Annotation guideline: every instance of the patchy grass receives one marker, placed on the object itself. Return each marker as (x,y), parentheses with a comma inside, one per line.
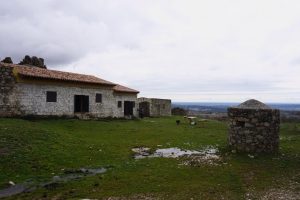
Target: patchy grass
(38,150)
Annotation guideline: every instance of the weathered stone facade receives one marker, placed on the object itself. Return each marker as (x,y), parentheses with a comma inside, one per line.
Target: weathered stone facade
(152,107)
(119,111)
(32,98)
(253,127)
(9,105)
(20,97)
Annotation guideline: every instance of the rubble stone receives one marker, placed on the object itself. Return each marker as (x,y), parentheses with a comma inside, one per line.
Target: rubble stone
(253,127)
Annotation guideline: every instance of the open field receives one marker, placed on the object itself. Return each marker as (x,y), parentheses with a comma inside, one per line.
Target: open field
(38,150)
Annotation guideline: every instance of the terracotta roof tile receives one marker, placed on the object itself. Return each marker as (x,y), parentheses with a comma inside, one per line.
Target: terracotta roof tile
(7,64)
(121,88)
(36,72)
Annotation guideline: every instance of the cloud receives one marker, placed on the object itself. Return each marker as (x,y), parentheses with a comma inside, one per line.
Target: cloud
(184,50)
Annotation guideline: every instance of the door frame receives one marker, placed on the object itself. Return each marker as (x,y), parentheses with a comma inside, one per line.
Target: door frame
(128,108)
(81,104)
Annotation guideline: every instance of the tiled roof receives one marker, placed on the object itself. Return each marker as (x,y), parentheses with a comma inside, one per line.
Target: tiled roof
(40,73)
(35,72)
(121,88)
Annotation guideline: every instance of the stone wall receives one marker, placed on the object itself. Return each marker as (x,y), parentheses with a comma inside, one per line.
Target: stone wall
(254,130)
(158,107)
(125,97)
(9,106)
(31,100)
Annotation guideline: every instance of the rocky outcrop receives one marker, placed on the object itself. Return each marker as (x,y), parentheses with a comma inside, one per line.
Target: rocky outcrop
(33,61)
(7,60)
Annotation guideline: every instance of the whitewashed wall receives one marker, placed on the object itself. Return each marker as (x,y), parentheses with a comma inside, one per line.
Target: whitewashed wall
(125,97)
(32,100)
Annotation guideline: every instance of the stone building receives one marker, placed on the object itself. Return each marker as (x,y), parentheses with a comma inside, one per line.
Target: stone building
(28,90)
(151,107)
(254,127)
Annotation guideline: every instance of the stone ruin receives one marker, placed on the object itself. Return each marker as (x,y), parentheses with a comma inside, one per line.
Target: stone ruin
(253,127)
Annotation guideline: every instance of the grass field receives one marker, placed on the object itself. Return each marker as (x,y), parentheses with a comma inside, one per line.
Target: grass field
(38,150)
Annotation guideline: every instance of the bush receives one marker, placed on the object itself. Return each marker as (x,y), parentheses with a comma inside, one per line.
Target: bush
(178,111)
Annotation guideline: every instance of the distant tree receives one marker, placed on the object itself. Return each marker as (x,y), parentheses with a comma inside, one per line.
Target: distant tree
(7,60)
(33,61)
(178,111)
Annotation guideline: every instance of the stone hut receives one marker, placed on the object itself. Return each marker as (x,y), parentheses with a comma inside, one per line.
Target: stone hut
(253,127)
(153,107)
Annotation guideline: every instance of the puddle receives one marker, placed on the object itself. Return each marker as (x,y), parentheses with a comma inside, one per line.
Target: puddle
(208,153)
(144,152)
(85,171)
(173,152)
(13,190)
(72,174)
(141,152)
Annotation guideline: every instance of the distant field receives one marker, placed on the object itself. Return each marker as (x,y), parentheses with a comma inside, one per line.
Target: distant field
(38,150)
(222,107)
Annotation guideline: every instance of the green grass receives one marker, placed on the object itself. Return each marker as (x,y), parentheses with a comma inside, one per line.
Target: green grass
(40,149)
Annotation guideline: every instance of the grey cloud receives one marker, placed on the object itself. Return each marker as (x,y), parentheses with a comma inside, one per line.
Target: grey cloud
(168,47)
(295,62)
(65,31)
(200,86)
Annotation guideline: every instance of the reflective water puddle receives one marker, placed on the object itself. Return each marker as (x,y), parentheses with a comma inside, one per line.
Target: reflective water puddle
(144,152)
(68,175)
(208,155)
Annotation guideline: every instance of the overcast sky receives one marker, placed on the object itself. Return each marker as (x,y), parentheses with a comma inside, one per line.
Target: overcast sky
(186,50)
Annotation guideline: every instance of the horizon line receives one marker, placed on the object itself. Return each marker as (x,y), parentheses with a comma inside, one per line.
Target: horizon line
(228,102)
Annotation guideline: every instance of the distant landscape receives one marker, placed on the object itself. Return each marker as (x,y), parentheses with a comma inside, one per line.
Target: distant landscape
(289,111)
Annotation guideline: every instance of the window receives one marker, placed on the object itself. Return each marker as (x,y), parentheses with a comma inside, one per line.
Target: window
(51,96)
(163,106)
(98,98)
(133,104)
(119,104)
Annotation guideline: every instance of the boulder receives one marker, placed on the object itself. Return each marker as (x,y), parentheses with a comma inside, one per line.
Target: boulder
(7,60)
(33,61)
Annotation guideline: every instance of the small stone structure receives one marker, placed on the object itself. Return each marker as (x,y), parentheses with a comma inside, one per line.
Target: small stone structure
(253,127)
(153,107)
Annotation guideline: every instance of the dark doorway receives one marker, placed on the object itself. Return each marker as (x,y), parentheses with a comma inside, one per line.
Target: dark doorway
(81,103)
(128,108)
(144,109)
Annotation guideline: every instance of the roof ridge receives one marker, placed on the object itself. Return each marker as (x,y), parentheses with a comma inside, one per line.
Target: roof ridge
(122,88)
(54,70)
(37,72)
(28,71)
